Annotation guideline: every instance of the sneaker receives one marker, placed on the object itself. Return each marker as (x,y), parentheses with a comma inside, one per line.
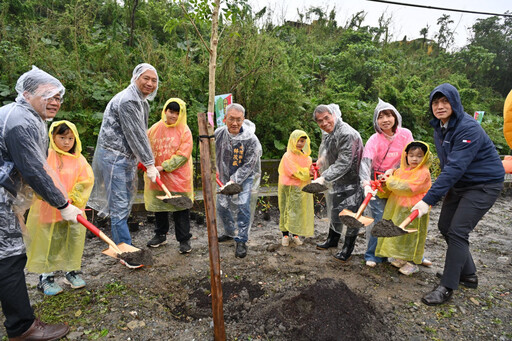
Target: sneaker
(48,286)
(241,250)
(185,247)
(285,241)
(297,240)
(74,279)
(157,240)
(409,269)
(397,263)
(371,263)
(224,238)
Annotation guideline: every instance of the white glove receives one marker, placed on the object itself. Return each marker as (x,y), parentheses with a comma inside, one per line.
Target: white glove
(152,173)
(422,208)
(368,189)
(320,180)
(70,212)
(226,184)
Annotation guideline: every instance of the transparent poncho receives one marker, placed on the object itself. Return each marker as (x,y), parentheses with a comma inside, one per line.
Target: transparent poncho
(407,187)
(172,147)
(295,206)
(238,157)
(52,243)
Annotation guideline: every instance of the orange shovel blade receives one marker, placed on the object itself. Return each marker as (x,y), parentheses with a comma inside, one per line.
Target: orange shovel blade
(362,219)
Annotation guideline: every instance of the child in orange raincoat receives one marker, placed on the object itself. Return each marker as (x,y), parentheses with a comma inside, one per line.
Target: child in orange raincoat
(52,243)
(408,185)
(296,207)
(171,142)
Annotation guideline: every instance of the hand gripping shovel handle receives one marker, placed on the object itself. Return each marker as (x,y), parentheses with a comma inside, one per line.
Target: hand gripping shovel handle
(375,185)
(158,181)
(96,231)
(409,219)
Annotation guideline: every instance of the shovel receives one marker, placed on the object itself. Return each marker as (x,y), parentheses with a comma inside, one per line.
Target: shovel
(128,255)
(357,220)
(314,187)
(230,189)
(175,200)
(386,228)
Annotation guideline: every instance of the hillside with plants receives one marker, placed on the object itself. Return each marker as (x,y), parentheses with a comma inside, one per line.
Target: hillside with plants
(278,72)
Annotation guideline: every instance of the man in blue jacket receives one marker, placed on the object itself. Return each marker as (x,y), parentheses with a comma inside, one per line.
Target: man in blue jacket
(471,179)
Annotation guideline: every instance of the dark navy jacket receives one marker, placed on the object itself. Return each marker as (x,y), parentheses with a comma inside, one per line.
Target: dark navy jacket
(467,155)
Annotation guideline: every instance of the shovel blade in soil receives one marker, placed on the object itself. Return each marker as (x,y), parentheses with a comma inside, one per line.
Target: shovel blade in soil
(125,248)
(386,228)
(177,200)
(314,188)
(348,218)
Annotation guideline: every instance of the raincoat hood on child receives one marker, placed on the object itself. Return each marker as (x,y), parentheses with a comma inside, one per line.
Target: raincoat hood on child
(172,147)
(78,143)
(294,166)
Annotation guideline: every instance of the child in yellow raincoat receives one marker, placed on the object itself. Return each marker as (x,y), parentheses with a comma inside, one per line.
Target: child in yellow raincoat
(408,185)
(52,243)
(171,142)
(296,207)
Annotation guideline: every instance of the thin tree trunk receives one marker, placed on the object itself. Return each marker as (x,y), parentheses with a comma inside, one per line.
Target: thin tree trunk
(132,21)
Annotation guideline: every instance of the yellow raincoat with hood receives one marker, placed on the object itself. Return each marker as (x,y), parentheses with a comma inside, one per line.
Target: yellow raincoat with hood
(52,243)
(296,207)
(407,187)
(172,147)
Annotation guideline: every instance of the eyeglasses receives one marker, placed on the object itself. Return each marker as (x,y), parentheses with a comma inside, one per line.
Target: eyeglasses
(58,100)
(235,120)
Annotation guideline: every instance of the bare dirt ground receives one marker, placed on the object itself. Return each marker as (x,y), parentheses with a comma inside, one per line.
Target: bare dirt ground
(285,293)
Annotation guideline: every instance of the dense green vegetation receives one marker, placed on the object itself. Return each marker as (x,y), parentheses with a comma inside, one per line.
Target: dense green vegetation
(279,73)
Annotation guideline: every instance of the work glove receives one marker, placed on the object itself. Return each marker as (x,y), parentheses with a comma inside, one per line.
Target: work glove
(368,189)
(70,212)
(320,180)
(152,173)
(226,184)
(422,208)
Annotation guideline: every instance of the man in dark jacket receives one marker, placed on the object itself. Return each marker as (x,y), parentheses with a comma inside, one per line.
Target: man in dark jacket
(471,179)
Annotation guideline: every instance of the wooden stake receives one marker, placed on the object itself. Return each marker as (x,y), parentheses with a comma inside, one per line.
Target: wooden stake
(211,224)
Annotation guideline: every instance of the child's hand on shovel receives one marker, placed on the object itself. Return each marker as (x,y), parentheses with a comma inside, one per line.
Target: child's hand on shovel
(422,208)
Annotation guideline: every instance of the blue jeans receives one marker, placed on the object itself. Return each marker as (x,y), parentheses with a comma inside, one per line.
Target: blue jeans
(119,174)
(377,206)
(239,206)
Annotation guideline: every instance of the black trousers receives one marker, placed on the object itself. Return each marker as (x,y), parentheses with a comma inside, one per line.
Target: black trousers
(462,210)
(181,224)
(19,315)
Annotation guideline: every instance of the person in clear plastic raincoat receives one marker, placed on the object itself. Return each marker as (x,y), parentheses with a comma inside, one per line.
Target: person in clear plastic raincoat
(23,148)
(122,143)
(238,153)
(171,143)
(407,185)
(339,158)
(53,243)
(295,206)
(381,154)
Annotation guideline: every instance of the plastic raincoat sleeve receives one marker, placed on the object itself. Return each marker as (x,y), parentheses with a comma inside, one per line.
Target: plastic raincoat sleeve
(26,155)
(251,159)
(345,160)
(409,187)
(82,189)
(365,169)
(134,129)
(175,162)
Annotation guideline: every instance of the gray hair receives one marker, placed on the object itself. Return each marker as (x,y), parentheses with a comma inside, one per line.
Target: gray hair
(332,109)
(235,106)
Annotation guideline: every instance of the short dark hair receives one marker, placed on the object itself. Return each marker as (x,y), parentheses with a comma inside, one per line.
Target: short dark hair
(438,95)
(416,145)
(62,129)
(173,106)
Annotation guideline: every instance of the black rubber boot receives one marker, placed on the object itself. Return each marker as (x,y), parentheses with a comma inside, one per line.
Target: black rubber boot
(346,250)
(332,241)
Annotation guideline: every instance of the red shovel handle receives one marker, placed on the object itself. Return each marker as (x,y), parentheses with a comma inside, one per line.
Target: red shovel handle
(158,180)
(409,219)
(315,171)
(88,225)
(218,180)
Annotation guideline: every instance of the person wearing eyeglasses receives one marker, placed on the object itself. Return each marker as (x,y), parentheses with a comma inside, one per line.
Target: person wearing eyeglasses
(23,152)
(238,153)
